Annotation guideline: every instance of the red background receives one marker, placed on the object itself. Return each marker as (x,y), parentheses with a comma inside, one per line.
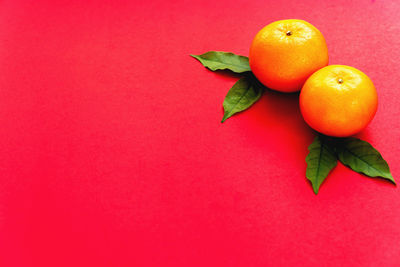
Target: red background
(112,152)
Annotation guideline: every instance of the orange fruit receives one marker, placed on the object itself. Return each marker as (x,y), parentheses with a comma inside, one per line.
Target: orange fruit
(286,52)
(338,100)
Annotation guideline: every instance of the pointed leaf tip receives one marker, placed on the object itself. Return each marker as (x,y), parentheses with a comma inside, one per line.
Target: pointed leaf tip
(320,161)
(215,60)
(315,189)
(241,96)
(362,157)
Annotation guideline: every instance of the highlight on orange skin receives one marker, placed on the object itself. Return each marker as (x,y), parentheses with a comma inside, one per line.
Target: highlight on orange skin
(285,53)
(338,101)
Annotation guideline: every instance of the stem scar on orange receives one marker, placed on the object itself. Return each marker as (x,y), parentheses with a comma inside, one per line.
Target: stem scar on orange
(338,100)
(285,53)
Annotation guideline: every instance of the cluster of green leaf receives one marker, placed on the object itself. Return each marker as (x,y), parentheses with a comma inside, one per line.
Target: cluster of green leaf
(325,151)
(357,154)
(245,92)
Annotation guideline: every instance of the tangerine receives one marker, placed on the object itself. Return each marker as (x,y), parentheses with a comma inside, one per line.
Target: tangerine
(338,100)
(286,52)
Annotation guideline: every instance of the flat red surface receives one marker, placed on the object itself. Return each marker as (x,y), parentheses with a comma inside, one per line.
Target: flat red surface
(112,152)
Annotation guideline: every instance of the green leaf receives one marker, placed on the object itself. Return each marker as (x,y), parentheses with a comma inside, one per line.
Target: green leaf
(223,60)
(240,97)
(320,161)
(361,157)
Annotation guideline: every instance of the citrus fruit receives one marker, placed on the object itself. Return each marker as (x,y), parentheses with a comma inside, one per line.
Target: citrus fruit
(338,100)
(286,52)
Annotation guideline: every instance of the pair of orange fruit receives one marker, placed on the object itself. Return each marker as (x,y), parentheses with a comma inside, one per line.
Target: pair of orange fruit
(292,55)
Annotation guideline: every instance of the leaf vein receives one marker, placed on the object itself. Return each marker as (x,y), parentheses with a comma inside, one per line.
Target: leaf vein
(369,166)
